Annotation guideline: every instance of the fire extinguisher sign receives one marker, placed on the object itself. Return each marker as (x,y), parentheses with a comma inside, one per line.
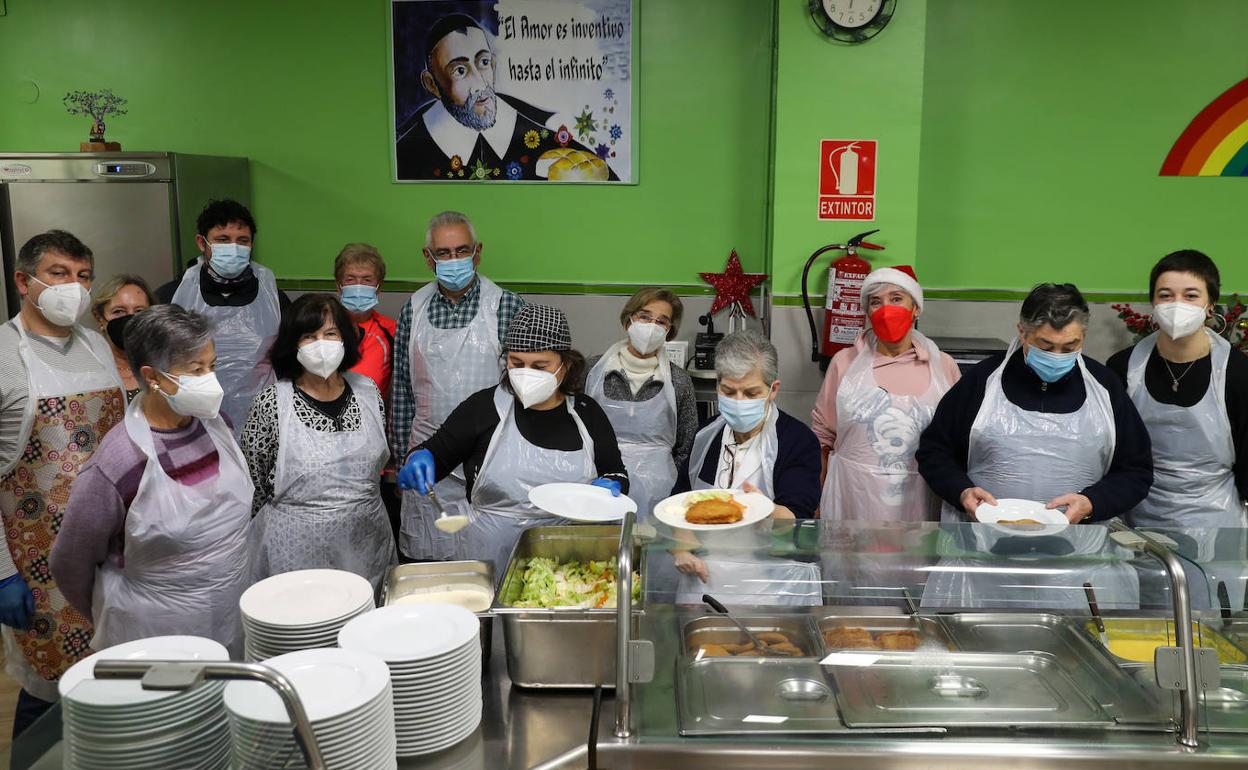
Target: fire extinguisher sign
(847,179)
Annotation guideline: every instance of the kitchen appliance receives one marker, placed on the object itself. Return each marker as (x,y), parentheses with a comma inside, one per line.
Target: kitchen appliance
(135,210)
(968,351)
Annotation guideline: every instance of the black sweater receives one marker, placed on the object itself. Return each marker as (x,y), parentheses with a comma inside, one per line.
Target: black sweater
(1192,386)
(945,445)
(239,292)
(465,435)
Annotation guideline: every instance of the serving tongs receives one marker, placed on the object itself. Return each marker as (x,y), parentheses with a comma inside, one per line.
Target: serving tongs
(759,644)
(446,522)
(1096,614)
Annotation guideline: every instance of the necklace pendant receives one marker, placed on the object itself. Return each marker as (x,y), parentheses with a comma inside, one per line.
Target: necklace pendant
(1174,386)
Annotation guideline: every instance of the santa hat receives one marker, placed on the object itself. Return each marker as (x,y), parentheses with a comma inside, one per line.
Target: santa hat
(901,275)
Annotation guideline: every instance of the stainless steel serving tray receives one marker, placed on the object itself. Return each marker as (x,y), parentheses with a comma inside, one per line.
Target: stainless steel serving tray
(563,647)
(1221,710)
(758,696)
(414,578)
(1086,661)
(1161,630)
(716,629)
(958,689)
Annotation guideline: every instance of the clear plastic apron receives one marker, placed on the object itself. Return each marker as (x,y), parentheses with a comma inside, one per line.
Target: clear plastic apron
(185,553)
(242,336)
(326,511)
(501,510)
(1193,483)
(646,431)
(447,366)
(736,573)
(67,415)
(1015,453)
(872,474)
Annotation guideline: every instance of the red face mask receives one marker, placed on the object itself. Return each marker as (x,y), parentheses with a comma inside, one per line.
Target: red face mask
(891,322)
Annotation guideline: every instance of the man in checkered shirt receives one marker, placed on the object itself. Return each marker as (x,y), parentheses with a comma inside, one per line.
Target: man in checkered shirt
(448,346)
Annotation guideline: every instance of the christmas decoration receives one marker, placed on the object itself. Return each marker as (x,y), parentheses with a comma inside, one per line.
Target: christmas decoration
(99,105)
(732,287)
(1230,320)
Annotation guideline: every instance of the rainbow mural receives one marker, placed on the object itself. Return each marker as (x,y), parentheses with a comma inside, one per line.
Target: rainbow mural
(1215,143)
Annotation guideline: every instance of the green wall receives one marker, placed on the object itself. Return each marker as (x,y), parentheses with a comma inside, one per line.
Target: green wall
(301,89)
(1044,126)
(830,91)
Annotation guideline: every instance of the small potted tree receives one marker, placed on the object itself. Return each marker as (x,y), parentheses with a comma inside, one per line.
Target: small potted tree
(99,105)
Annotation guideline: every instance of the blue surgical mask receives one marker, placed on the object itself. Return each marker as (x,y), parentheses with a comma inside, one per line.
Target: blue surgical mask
(454,274)
(359,297)
(1050,366)
(742,414)
(229,259)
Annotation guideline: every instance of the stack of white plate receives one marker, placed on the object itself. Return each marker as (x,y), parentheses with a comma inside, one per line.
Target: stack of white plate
(115,723)
(346,696)
(435,667)
(301,610)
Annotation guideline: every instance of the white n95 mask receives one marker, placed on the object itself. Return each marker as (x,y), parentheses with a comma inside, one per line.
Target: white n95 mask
(646,337)
(532,386)
(62,303)
(1179,319)
(321,357)
(198,395)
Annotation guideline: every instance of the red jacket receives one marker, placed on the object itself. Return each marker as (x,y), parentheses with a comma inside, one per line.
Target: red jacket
(376,351)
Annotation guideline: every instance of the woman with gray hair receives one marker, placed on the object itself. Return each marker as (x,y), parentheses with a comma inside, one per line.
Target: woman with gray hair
(753,446)
(171,487)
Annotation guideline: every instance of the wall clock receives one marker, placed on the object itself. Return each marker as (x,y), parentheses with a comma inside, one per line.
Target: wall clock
(851,21)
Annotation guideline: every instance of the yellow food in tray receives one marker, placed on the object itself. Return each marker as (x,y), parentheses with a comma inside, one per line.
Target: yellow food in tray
(1138,640)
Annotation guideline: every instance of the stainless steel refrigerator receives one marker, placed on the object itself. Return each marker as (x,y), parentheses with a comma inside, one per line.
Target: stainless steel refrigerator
(135,210)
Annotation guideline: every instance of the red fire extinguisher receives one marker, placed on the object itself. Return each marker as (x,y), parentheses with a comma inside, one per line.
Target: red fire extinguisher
(843,317)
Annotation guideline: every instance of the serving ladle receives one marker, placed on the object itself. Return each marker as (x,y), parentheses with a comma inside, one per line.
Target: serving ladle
(446,522)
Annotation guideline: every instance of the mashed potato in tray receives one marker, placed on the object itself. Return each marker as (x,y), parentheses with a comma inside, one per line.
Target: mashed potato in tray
(471,598)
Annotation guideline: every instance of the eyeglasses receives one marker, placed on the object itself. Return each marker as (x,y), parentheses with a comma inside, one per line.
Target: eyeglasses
(645,317)
(726,474)
(460,252)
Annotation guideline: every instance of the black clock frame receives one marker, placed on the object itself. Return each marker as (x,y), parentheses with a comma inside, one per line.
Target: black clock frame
(847,35)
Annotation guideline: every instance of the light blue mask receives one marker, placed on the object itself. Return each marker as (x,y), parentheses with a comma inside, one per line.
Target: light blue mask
(742,414)
(229,259)
(1050,366)
(359,297)
(455,274)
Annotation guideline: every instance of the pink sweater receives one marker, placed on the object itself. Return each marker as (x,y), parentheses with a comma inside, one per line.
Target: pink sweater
(905,375)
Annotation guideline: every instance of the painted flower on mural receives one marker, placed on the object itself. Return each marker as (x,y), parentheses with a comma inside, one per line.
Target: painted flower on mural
(563,136)
(545,134)
(437,172)
(602,151)
(616,132)
(531,139)
(456,163)
(514,171)
(585,123)
(608,94)
(481,171)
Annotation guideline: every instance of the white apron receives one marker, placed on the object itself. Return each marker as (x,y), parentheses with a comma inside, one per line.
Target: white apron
(185,551)
(1193,483)
(242,336)
(735,574)
(326,511)
(646,431)
(67,415)
(501,510)
(1015,453)
(872,474)
(447,366)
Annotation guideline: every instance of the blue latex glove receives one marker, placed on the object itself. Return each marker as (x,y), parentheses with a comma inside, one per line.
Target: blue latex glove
(17,603)
(418,472)
(610,484)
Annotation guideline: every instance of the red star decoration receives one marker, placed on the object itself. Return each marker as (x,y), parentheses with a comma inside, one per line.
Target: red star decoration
(733,285)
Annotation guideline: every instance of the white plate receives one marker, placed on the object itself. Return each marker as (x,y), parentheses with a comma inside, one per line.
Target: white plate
(129,691)
(331,682)
(581,502)
(409,632)
(1012,509)
(672,510)
(305,597)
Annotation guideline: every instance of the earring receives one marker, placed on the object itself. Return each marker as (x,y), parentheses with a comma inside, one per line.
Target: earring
(1221,330)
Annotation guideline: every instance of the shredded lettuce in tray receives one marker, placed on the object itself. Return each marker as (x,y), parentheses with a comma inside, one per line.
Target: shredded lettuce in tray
(548,583)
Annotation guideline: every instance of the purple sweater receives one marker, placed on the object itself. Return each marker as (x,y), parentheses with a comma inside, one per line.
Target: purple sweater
(94,524)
